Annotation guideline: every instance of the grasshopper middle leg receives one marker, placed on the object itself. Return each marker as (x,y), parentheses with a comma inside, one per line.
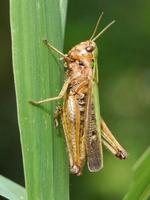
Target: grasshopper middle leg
(58,113)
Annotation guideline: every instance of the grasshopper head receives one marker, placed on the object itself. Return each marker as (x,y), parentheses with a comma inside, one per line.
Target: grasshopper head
(82,57)
(83,54)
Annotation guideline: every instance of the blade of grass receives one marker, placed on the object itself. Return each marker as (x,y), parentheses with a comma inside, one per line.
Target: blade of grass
(140,187)
(38,74)
(11,190)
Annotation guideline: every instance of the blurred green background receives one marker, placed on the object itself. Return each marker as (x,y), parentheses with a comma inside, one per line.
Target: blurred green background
(125,97)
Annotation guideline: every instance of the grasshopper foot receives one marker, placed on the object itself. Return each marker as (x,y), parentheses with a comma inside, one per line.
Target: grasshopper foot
(35,103)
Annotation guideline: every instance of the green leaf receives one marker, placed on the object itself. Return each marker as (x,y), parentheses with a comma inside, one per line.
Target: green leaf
(11,190)
(38,74)
(140,187)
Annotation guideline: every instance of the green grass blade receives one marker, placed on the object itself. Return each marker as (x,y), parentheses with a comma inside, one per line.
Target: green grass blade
(11,190)
(140,187)
(38,74)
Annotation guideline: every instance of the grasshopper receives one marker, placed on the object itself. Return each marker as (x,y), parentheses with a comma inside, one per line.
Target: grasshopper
(84,129)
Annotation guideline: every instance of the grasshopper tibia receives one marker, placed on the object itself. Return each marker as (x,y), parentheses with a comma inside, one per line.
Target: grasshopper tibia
(111,143)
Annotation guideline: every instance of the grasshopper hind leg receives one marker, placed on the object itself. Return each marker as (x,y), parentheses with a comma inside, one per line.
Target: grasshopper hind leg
(111,143)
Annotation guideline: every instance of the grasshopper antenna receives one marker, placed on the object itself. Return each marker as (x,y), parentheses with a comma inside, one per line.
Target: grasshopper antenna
(97,24)
(100,33)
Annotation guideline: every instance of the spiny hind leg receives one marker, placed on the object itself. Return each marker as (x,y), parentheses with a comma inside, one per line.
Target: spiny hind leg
(60,96)
(111,143)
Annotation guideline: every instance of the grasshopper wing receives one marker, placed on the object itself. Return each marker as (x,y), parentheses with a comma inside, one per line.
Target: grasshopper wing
(92,132)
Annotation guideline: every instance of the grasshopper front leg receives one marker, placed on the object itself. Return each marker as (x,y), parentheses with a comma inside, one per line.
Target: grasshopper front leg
(60,96)
(111,143)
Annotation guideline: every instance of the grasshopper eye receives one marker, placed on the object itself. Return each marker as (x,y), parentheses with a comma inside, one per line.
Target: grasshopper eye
(89,48)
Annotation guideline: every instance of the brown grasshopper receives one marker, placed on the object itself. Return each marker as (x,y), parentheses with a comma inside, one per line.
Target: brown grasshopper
(84,129)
